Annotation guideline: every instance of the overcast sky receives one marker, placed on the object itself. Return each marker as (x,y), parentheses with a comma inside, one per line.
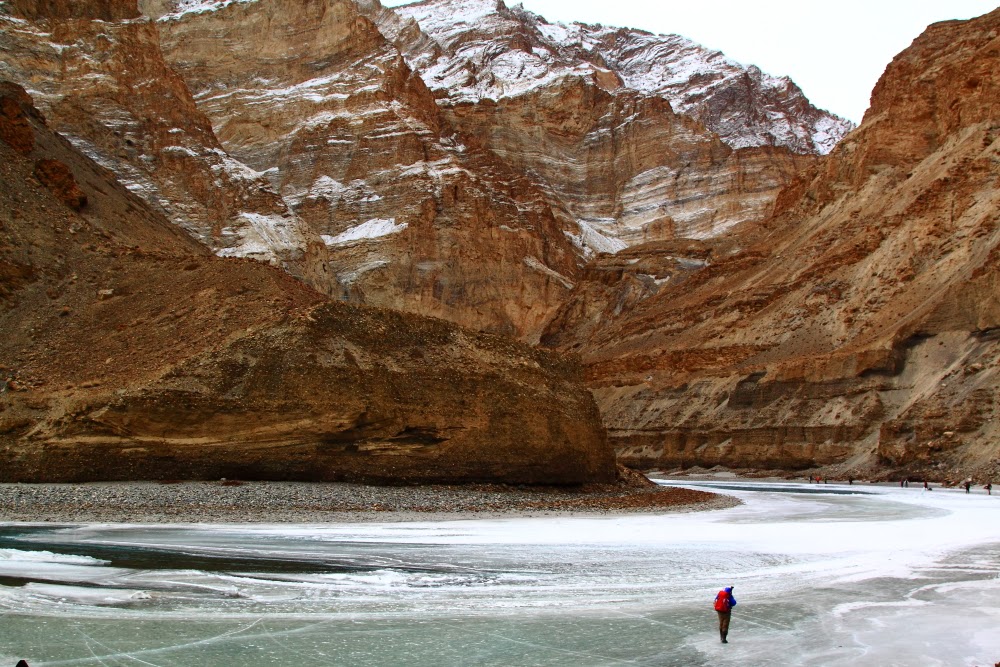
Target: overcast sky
(835,51)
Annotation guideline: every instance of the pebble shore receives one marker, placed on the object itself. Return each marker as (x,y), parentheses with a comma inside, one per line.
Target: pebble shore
(306,502)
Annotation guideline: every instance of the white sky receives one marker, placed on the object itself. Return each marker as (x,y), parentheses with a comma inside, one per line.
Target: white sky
(835,51)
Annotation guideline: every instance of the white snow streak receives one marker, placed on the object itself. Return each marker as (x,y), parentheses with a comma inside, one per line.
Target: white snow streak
(372,229)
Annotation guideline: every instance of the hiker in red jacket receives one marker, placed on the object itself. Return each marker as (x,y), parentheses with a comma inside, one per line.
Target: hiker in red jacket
(724,603)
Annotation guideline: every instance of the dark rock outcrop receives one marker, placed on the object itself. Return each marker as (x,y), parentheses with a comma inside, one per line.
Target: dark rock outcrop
(58,178)
(15,107)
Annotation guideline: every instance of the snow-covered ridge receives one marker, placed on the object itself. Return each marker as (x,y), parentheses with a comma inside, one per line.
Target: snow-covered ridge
(493,52)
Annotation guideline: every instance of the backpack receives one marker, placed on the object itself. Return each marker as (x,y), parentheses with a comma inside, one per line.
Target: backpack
(722,602)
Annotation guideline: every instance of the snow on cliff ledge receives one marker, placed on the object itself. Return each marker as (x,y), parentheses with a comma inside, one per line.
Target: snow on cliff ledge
(492,51)
(372,229)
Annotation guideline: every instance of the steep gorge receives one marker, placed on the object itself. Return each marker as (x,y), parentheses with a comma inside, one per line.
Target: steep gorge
(856,327)
(737,298)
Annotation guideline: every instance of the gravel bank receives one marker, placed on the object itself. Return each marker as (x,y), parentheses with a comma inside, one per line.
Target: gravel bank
(302,502)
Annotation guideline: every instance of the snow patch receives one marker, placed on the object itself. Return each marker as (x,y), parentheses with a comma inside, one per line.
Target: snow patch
(372,229)
(236,169)
(263,236)
(182,7)
(537,265)
(591,241)
(180,150)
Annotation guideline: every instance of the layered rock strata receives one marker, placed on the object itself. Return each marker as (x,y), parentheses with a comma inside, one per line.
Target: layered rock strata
(131,352)
(96,71)
(447,176)
(856,327)
(637,135)
(413,218)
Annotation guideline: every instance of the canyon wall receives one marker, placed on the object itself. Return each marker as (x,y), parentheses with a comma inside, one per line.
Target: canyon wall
(856,326)
(132,352)
(637,136)
(96,71)
(412,217)
(463,160)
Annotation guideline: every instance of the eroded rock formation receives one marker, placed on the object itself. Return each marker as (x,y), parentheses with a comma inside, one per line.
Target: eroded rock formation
(131,352)
(96,71)
(856,326)
(413,219)
(445,182)
(638,136)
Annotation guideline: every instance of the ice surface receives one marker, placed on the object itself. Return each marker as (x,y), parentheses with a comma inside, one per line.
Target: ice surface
(839,575)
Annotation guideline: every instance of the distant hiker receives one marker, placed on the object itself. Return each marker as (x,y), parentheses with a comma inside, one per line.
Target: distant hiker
(989,488)
(724,603)
(850,480)
(926,487)
(968,485)
(906,483)
(900,483)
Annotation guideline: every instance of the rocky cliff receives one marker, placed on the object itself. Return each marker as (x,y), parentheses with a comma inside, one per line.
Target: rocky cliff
(131,352)
(638,136)
(413,218)
(97,72)
(857,326)
(450,176)
(454,158)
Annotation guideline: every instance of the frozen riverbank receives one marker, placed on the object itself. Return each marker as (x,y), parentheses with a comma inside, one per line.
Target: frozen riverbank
(304,502)
(847,576)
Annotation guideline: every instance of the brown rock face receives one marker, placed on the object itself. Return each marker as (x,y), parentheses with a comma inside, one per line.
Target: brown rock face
(103,10)
(855,327)
(132,353)
(454,172)
(625,168)
(339,164)
(637,137)
(58,178)
(313,95)
(96,71)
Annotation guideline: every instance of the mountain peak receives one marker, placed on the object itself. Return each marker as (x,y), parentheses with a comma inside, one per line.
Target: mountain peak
(493,52)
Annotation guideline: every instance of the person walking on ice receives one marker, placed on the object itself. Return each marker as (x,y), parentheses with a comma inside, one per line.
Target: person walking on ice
(724,603)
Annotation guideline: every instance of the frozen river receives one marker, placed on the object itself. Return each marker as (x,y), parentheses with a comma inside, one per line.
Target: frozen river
(831,575)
